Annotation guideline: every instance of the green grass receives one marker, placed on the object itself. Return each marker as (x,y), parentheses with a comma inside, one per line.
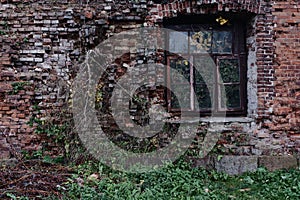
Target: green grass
(180,181)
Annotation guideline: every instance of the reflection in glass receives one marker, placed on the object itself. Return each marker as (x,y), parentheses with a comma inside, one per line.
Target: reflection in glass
(200,42)
(181,70)
(222,42)
(229,70)
(178,42)
(202,95)
(204,70)
(184,98)
(232,97)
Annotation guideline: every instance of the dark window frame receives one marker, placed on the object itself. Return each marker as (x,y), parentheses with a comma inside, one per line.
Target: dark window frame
(237,28)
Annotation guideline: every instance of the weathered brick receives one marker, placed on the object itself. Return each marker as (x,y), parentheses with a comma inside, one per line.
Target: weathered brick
(48,41)
(282,110)
(277,162)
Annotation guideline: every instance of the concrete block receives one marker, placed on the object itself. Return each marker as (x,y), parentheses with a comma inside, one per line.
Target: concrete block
(236,164)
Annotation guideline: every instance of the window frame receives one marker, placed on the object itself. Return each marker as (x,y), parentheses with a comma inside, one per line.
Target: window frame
(238,51)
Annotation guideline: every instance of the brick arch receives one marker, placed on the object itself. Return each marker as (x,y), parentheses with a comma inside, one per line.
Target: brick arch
(174,8)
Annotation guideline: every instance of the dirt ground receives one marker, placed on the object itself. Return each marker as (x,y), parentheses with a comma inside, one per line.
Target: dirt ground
(34,179)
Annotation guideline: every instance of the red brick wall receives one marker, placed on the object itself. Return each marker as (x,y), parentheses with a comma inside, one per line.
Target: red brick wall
(265,53)
(41,41)
(286,102)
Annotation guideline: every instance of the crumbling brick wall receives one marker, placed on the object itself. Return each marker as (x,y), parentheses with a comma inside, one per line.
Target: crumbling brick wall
(42,42)
(285,115)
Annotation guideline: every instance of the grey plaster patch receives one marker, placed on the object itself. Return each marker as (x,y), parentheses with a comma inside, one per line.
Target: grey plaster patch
(252,74)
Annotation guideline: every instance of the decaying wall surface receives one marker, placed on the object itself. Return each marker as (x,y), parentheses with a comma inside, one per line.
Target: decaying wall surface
(42,42)
(285,105)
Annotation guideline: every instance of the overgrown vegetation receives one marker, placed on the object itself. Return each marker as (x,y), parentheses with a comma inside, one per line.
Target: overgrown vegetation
(92,180)
(180,181)
(56,130)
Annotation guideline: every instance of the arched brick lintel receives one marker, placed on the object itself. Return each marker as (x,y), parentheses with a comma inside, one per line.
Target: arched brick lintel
(173,9)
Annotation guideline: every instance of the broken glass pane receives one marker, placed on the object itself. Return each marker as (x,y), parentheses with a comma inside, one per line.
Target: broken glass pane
(229,70)
(178,42)
(200,42)
(222,42)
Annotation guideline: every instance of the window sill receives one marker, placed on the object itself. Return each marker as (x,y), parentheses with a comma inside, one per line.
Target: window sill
(212,120)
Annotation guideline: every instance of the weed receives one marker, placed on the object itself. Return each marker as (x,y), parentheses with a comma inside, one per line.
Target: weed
(13,197)
(5,29)
(18,86)
(25,40)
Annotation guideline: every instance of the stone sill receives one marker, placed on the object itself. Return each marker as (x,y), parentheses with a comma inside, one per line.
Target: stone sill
(212,120)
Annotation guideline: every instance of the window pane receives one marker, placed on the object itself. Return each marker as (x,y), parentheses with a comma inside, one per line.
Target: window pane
(181,70)
(203,97)
(229,70)
(232,96)
(178,42)
(204,70)
(184,91)
(200,42)
(222,42)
